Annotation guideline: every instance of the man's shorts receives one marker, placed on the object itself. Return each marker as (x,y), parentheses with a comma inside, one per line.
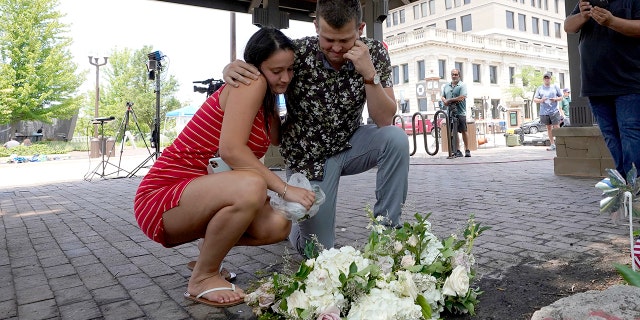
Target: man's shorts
(462,123)
(551,119)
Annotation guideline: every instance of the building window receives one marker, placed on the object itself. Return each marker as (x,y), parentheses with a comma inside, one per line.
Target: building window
(416,12)
(421,70)
(510,20)
(556,4)
(405,73)
(546,5)
(457,3)
(388,22)
(442,68)
(533,3)
(433,25)
(493,74)
(522,22)
(424,7)
(545,28)
(432,6)
(465,21)
(402,18)
(467,1)
(451,24)
(394,17)
(535,27)
(447,4)
(561,79)
(512,75)
(460,67)
(423,105)
(396,74)
(476,72)
(557,28)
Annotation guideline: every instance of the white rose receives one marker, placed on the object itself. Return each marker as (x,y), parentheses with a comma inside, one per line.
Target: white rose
(407,261)
(297,299)
(413,240)
(457,284)
(397,246)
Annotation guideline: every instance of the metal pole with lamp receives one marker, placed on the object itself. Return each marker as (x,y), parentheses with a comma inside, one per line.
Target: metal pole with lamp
(94,61)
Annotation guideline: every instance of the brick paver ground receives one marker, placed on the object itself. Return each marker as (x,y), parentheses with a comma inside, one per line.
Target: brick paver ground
(72,250)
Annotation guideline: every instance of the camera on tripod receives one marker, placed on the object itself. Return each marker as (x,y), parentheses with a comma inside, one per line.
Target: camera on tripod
(212,86)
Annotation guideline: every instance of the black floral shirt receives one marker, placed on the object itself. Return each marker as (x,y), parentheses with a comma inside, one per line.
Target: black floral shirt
(324,106)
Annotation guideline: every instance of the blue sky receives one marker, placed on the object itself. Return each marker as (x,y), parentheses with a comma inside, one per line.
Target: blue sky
(195,40)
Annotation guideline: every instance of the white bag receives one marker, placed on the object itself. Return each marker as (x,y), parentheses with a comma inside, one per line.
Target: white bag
(293,210)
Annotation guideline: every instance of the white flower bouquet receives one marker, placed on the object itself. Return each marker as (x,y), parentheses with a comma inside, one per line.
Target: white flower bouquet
(405,273)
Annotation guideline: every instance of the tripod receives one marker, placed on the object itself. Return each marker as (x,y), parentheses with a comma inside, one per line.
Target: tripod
(154,67)
(103,149)
(123,131)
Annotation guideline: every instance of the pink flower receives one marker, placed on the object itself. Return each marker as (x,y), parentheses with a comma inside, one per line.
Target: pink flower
(332,313)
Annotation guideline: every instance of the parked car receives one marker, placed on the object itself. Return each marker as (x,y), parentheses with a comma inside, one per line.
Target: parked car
(532,127)
(418,124)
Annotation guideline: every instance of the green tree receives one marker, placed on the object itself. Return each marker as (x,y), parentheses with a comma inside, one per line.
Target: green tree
(38,78)
(126,79)
(531,80)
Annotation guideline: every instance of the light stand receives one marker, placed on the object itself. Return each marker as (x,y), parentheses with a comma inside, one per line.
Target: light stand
(122,133)
(103,149)
(154,67)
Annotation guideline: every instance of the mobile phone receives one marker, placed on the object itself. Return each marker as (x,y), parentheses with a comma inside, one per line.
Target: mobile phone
(217,165)
(599,3)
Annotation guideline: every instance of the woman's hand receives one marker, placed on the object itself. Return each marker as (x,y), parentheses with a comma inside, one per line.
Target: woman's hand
(300,195)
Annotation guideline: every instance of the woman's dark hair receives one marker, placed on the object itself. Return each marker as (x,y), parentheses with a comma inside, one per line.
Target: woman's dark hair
(260,47)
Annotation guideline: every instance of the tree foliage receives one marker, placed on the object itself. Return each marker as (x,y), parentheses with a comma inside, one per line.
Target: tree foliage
(531,80)
(126,79)
(38,80)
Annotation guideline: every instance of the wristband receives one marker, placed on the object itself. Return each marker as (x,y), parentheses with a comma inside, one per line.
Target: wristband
(285,190)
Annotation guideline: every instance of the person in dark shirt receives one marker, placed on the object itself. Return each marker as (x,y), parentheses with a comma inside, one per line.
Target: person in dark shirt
(610,66)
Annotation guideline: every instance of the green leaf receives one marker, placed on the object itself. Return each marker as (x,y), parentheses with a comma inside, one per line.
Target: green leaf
(426,308)
(353,268)
(630,276)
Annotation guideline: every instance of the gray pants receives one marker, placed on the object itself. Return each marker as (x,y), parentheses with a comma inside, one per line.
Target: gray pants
(388,149)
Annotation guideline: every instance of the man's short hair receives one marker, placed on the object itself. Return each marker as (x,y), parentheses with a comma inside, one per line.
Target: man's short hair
(337,13)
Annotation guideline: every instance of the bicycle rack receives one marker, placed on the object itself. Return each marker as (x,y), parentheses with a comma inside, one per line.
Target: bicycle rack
(436,136)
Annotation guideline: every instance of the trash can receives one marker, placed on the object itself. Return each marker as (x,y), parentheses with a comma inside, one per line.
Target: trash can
(94,150)
(512,140)
(110,145)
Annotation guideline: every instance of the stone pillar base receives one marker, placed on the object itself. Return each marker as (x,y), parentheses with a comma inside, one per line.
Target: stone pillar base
(581,151)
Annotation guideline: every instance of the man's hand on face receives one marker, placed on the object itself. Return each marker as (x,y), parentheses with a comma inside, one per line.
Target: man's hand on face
(359,56)
(238,72)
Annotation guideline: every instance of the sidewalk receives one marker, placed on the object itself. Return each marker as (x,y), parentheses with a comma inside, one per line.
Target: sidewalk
(71,249)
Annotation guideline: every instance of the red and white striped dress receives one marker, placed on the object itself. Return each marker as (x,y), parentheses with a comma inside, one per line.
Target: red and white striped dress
(185,160)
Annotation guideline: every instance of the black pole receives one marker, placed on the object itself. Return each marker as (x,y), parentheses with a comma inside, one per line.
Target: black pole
(157,121)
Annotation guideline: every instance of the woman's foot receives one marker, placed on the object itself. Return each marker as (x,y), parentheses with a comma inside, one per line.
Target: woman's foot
(199,284)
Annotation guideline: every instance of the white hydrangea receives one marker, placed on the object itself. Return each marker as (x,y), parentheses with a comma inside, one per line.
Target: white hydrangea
(431,251)
(383,304)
